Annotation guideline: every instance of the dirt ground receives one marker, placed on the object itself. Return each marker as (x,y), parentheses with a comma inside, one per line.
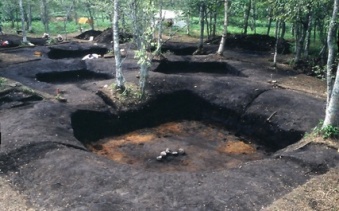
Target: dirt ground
(64,134)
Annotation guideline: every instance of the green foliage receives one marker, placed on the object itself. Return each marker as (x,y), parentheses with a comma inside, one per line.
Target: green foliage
(319,71)
(2,82)
(130,93)
(326,132)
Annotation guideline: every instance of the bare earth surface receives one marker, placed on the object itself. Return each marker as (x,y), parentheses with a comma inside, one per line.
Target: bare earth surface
(69,144)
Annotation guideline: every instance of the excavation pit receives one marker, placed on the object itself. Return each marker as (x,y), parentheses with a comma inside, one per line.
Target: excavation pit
(15,98)
(71,76)
(180,120)
(207,148)
(75,50)
(188,66)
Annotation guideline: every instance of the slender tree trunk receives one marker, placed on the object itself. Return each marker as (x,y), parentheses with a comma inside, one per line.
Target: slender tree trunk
(214,24)
(88,6)
(202,27)
(277,31)
(75,8)
(17,18)
(269,24)
(44,15)
(332,111)
(123,22)
(207,23)
(283,29)
(23,28)
(308,34)
(12,21)
(29,16)
(254,16)
(158,50)
(188,22)
(300,40)
(329,67)
(119,78)
(315,29)
(68,12)
(141,22)
(224,35)
(247,15)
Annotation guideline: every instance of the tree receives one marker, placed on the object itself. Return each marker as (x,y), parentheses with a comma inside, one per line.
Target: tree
(202,11)
(247,15)
(332,108)
(44,15)
(224,35)
(141,15)
(159,43)
(22,12)
(88,5)
(119,78)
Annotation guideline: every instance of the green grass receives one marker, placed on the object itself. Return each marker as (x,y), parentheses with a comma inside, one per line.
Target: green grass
(55,27)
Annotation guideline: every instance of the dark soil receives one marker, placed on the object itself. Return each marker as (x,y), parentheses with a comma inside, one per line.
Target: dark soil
(107,37)
(87,34)
(97,150)
(254,42)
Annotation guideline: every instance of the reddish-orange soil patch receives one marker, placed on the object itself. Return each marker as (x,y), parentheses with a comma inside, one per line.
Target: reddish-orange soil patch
(207,147)
(237,147)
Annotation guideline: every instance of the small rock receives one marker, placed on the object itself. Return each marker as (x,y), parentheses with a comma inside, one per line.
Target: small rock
(163,153)
(159,158)
(175,153)
(181,151)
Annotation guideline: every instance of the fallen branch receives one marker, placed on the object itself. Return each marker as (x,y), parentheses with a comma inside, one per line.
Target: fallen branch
(270,117)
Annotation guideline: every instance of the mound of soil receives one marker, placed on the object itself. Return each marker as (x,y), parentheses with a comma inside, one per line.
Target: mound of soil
(253,42)
(16,40)
(107,37)
(87,34)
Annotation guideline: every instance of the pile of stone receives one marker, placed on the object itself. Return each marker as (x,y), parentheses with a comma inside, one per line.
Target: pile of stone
(164,154)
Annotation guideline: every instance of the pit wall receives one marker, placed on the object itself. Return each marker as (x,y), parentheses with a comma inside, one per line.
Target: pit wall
(90,126)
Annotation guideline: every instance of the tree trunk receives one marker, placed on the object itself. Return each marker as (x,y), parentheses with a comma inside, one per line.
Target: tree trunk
(332,110)
(119,78)
(315,29)
(207,23)
(123,22)
(29,17)
(188,22)
(330,60)
(269,22)
(202,27)
(75,11)
(224,35)
(23,28)
(44,15)
(68,12)
(214,24)
(300,35)
(247,15)
(283,29)
(277,32)
(158,50)
(308,34)
(254,16)
(88,6)
(17,18)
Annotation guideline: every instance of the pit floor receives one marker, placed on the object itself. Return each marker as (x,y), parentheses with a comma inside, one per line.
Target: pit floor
(207,148)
